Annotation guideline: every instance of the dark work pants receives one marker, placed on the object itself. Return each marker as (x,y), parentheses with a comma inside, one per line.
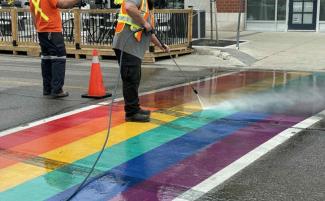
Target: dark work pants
(131,76)
(53,61)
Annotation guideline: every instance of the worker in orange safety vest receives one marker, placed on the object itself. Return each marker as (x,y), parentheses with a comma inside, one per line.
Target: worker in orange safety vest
(47,20)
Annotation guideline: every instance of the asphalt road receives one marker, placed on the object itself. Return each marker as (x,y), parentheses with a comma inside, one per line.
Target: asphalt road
(295,171)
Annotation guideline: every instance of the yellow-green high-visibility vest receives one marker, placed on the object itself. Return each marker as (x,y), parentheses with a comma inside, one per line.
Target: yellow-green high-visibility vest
(124,18)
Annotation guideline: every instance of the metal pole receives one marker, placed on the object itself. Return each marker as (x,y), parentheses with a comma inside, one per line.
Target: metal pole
(211,19)
(238,27)
(276,15)
(216,22)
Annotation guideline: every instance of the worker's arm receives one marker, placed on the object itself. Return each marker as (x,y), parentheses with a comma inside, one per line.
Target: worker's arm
(156,42)
(63,4)
(134,12)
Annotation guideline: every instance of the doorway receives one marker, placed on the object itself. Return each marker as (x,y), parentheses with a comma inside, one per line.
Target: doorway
(302,14)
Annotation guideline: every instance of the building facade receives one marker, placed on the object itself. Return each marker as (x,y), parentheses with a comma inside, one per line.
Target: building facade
(261,15)
(285,15)
(272,15)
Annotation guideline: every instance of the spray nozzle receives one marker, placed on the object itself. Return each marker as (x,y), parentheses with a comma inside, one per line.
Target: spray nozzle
(152,31)
(195,91)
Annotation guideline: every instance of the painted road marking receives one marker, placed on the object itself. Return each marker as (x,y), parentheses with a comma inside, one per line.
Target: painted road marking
(185,84)
(54,151)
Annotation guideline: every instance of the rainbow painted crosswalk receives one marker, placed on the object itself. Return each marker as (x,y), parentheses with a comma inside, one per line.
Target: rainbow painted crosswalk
(183,145)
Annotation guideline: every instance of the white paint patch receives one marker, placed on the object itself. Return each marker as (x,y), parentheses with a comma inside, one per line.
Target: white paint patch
(238,165)
(56,117)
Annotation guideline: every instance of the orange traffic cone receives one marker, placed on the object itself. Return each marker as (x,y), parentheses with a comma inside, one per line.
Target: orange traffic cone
(96,85)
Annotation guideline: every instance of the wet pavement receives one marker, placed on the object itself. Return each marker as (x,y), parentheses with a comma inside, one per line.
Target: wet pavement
(190,150)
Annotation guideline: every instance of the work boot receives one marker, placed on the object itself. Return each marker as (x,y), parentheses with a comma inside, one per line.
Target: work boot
(145,112)
(138,117)
(61,94)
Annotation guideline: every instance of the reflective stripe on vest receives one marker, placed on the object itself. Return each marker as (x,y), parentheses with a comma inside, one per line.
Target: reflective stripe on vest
(39,10)
(124,18)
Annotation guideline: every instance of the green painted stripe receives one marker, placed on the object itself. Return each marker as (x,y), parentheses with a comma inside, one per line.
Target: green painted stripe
(59,180)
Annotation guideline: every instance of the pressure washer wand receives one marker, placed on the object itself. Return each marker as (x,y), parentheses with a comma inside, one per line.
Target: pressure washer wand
(164,46)
(173,59)
(188,80)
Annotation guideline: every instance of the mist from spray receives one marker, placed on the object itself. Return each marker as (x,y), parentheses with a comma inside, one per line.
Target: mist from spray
(305,96)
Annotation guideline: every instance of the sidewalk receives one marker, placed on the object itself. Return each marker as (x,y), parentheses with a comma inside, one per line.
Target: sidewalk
(268,50)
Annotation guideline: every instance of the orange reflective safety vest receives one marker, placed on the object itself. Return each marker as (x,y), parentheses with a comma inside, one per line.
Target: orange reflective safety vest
(47,15)
(124,19)
(36,4)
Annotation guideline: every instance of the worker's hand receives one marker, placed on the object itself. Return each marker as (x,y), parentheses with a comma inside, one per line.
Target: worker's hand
(147,27)
(165,48)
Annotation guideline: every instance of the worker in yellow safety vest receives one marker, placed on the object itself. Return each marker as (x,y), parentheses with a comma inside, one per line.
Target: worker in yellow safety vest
(132,44)
(47,20)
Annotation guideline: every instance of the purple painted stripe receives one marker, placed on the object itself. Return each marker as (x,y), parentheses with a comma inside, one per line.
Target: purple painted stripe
(193,170)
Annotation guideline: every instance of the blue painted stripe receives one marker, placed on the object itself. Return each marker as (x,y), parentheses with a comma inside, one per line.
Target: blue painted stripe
(147,165)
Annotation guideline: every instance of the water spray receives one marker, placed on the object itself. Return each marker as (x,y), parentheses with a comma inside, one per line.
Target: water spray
(188,81)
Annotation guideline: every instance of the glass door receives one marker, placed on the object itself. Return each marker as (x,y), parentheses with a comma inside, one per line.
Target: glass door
(302,14)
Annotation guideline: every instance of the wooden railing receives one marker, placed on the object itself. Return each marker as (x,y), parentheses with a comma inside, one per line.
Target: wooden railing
(84,30)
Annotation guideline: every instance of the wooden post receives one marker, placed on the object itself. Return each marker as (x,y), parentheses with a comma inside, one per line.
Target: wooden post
(77,29)
(190,27)
(14,30)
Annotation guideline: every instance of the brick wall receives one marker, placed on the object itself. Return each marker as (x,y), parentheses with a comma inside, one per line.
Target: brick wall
(230,6)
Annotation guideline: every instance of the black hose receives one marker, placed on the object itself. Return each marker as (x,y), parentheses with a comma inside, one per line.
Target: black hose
(85,182)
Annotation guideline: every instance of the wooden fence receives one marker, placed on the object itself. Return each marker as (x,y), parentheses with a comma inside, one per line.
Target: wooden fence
(85,30)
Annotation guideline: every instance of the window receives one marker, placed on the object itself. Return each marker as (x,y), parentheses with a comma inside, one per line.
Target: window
(169,4)
(282,8)
(260,9)
(322,10)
